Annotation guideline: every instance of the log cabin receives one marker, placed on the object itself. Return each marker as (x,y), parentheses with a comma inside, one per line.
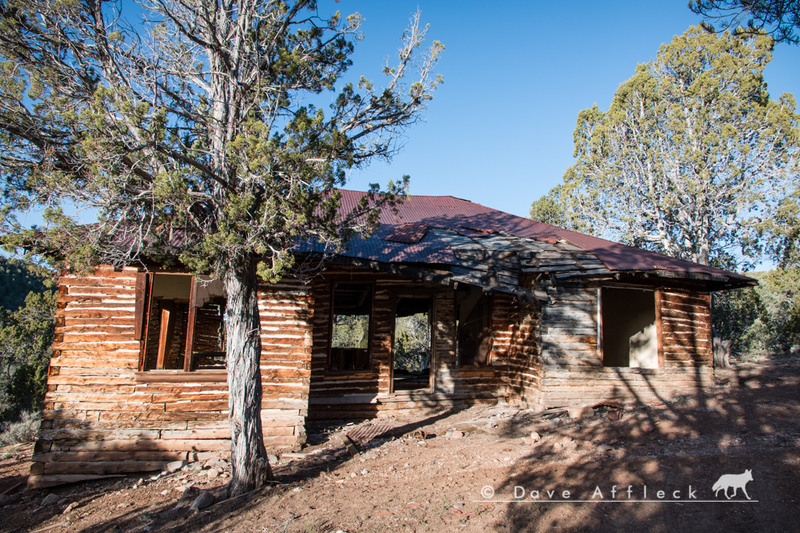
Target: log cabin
(447,303)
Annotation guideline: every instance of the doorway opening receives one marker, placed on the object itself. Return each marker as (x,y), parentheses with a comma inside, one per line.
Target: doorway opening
(411,367)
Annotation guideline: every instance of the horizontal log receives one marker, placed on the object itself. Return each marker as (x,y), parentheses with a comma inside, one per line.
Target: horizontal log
(100,348)
(136,407)
(179,376)
(82,364)
(103,467)
(197,434)
(91,380)
(197,406)
(104,456)
(139,445)
(46,481)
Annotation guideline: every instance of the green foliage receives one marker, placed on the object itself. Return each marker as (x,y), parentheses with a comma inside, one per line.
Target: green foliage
(18,278)
(27,320)
(783,229)
(780,18)
(551,209)
(24,430)
(763,319)
(691,157)
(350,331)
(412,342)
(200,137)
(26,338)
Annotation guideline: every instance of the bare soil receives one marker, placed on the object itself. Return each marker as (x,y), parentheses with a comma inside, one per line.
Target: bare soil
(481,469)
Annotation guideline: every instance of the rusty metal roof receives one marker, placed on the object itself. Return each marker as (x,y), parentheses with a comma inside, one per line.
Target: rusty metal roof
(432,230)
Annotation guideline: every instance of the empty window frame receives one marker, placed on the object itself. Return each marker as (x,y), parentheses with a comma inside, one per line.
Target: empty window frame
(412,348)
(474,333)
(350,326)
(629,332)
(180,321)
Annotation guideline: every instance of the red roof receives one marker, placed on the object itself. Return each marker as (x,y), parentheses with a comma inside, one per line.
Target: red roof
(404,236)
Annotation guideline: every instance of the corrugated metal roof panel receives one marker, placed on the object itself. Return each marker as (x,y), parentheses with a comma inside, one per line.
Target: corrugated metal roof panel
(401,239)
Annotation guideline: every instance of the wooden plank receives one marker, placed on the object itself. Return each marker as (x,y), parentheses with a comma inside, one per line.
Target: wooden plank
(45,481)
(179,376)
(187,356)
(103,467)
(148,315)
(104,456)
(164,336)
(141,292)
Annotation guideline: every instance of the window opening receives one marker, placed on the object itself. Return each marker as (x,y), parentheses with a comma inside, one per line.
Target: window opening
(184,311)
(350,331)
(629,336)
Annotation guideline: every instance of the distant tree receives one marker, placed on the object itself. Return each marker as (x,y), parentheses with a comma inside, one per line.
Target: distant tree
(783,229)
(197,133)
(27,320)
(18,278)
(549,209)
(779,18)
(764,319)
(692,155)
(26,339)
(412,342)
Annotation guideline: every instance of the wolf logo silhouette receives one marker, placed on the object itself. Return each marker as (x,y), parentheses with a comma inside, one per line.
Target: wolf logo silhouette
(734,481)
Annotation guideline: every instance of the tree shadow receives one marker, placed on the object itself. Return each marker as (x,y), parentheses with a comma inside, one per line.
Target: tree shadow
(167,516)
(687,442)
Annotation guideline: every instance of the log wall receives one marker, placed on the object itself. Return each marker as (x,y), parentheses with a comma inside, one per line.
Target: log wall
(366,394)
(103,417)
(573,367)
(516,349)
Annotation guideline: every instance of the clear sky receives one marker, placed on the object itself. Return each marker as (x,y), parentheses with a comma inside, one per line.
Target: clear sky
(516,74)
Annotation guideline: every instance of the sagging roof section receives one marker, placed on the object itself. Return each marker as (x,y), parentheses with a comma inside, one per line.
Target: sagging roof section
(486,247)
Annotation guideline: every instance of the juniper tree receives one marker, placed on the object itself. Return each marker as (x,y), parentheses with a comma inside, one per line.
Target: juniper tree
(692,156)
(779,18)
(198,131)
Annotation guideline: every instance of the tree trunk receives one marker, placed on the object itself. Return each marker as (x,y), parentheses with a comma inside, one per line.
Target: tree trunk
(249,464)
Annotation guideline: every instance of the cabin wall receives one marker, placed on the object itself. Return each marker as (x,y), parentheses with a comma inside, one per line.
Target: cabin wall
(516,349)
(286,315)
(102,416)
(366,394)
(573,366)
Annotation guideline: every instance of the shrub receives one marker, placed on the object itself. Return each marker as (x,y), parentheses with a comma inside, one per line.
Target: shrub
(763,319)
(20,432)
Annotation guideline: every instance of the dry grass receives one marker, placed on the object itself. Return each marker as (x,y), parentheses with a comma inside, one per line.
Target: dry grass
(23,431)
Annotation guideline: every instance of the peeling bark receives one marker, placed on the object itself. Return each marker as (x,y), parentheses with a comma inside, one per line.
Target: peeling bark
(249,464)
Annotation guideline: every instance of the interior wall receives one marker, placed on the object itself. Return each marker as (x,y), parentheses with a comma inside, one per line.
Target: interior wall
(172,286)
(629,329)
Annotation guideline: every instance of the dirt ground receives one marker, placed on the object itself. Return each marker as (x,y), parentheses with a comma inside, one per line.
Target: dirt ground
(481,469)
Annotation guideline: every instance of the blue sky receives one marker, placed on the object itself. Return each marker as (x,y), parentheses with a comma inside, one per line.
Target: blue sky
(516,74)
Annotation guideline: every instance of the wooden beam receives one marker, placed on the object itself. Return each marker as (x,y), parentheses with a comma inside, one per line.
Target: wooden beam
(167,327)
(659,330)
(147,310)
(190,320)
(141,293)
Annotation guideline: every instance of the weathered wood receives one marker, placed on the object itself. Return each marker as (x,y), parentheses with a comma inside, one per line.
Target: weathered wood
(46,481)
(100,408)
(179,376)
(139,312)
